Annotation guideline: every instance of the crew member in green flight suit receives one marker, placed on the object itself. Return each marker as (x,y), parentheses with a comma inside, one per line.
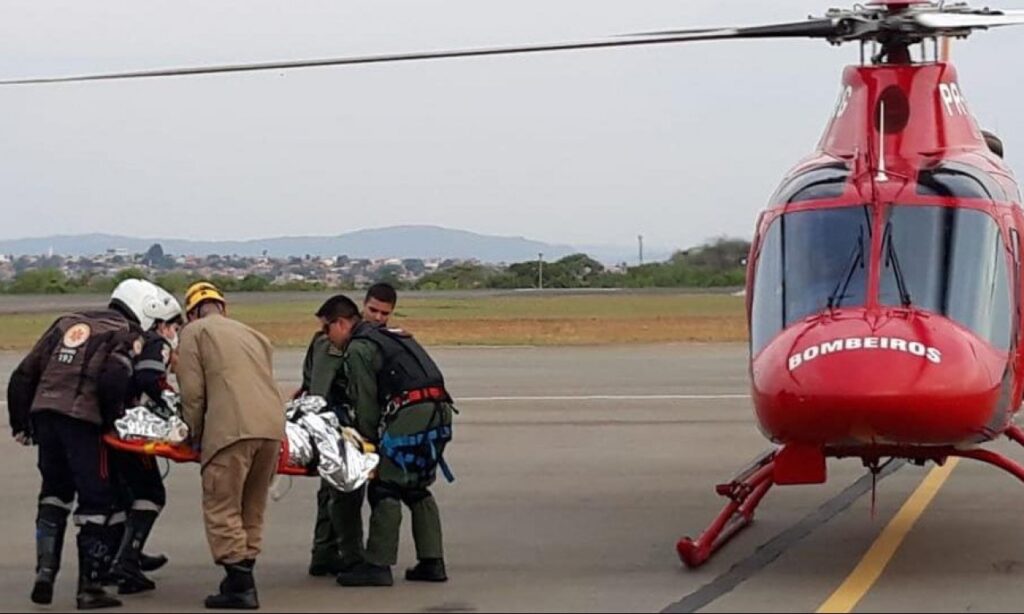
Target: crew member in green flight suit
(338,531)
(401,405)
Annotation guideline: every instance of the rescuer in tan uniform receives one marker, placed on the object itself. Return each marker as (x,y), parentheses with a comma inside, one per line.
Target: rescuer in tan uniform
(234,410)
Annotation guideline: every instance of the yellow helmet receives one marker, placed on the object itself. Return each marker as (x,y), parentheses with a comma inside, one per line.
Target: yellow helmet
(200,292)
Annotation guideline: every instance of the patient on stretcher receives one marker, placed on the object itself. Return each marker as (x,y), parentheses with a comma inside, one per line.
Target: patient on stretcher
(315,443)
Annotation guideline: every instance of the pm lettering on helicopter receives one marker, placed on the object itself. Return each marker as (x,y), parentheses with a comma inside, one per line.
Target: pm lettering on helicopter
(952,100)
(916,348)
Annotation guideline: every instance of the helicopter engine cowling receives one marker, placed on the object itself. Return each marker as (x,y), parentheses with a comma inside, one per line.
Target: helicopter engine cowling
(896,377)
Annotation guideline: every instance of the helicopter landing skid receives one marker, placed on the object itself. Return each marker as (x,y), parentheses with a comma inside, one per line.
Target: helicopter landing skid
(744,492)
(995,459)
(748,488)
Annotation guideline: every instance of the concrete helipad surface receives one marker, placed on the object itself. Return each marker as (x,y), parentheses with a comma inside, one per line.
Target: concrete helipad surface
(578,469)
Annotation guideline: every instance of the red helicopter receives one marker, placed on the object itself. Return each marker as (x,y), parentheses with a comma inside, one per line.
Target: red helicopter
(884,283)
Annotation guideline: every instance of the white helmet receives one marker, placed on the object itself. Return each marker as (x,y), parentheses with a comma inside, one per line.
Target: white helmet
(147,301)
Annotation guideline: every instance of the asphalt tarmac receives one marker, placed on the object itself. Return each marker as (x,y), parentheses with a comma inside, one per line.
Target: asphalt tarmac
(577,470)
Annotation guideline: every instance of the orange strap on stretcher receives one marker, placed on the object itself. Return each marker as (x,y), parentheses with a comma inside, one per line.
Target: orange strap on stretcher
(183,453)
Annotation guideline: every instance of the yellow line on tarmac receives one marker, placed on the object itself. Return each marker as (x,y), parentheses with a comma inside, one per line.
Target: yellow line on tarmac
(867,572)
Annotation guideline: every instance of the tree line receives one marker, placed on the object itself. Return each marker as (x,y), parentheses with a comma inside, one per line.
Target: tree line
(55,281)
(715,264)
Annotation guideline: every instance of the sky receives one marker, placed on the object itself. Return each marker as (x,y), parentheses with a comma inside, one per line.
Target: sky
(677,143)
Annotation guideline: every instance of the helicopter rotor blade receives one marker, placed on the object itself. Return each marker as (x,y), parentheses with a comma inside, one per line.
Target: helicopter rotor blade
(836,27)
(812,28)
(960,21)
(809,28)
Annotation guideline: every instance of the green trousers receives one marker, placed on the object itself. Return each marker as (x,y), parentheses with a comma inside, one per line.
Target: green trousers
(395,486)
(386,520)
(338,531)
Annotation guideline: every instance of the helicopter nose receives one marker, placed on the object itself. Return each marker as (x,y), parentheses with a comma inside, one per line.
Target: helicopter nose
(906,377)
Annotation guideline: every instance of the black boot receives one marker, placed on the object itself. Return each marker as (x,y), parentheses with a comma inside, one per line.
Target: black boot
(150,562)
(91,553)
(50,526)
(337,565)
(427,570)
(237,590)
(349,563)
(325,564)
(112,536)
(367,574)
(127,563)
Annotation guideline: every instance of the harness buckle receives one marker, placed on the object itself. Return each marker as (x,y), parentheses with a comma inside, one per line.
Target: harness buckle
(418,395)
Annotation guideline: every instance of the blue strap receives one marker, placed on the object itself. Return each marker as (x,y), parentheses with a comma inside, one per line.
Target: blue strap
(394,448)
(446,470)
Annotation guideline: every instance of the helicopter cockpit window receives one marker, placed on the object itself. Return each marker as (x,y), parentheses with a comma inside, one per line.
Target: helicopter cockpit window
(824,182)
(809,261)
(951,179)
(949,261)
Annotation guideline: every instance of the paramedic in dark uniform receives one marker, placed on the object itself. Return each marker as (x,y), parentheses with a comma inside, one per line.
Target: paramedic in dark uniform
(141,493)
(61,397)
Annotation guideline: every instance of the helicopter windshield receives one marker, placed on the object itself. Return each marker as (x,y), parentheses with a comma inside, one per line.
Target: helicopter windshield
(952,179)
(950,261)
(809,261)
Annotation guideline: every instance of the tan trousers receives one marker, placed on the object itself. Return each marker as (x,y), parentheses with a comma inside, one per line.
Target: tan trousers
(236,483)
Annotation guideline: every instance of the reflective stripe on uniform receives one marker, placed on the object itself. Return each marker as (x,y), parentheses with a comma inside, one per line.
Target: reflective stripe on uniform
(142,505)
(57,502)
(151,365)
(118,518)
(84,519)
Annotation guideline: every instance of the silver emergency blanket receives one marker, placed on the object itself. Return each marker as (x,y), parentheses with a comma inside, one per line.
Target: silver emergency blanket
(143,422)
(357,465)
(300,447)
(313,432)
(306,404)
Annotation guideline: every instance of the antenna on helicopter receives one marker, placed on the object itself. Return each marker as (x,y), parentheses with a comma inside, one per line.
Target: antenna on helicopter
(882,175)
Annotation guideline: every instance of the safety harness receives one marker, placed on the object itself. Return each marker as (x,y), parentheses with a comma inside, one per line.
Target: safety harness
(408,376)
(410,397)
(420,453)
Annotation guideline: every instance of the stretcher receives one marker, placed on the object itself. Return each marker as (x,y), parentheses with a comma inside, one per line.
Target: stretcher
(315,444)
(184,453)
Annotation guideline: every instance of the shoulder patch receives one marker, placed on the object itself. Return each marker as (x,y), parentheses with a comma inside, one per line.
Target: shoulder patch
(77,335)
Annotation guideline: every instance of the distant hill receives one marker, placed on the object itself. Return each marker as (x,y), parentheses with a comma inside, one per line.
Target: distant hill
(391,242)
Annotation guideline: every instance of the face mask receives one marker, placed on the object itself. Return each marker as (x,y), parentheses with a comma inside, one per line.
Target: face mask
(173,341)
